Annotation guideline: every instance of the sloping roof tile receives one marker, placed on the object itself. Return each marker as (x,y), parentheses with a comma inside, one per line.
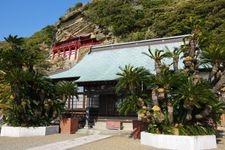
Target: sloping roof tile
(103,62)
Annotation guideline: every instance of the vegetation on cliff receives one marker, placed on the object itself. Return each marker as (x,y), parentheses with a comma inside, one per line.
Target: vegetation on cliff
(141,19)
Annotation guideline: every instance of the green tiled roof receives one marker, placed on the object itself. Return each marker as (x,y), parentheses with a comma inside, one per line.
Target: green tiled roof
(103,62)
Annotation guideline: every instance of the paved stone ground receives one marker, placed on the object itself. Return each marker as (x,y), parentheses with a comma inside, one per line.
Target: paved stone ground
(118,141)
(123,142)
(22,143)
(64,145)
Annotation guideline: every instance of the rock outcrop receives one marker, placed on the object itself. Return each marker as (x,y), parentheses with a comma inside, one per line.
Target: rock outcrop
(77,23)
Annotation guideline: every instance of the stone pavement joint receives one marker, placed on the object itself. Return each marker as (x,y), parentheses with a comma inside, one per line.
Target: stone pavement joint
(71,143)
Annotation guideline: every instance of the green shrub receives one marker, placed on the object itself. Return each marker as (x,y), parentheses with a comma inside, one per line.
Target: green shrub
(30,99)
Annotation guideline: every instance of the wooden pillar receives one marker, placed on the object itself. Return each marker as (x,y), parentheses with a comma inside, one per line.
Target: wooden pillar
(53,55)
(68,102)
(72,101)
(84,99)
(58,52)
(222,120)
(87,112)
(70,49)
(75,53)
(64,52)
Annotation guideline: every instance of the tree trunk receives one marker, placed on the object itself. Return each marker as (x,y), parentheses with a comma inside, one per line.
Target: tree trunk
(220,83)
(157,67)
(189,115)
(175,63)
(170,112)
(215,69)
(154,97)
(16,90)
(192,48)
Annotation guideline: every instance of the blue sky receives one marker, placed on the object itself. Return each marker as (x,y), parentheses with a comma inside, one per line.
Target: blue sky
(25,17)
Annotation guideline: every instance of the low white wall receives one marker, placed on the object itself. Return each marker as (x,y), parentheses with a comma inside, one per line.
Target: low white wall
(28,131)
(178,142)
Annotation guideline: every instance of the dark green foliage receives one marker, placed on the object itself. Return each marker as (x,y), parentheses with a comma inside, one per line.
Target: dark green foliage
(129,87)
(31,112)
(128,104)
(183,103)
(132,80)
(160,128)
(77,6)
(195,104)
(141,19)
(66,87)
(196,130)
(44,36)
(31,99)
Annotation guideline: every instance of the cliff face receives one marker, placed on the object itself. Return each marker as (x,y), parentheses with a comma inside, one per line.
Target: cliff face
(76,23)
(73,23)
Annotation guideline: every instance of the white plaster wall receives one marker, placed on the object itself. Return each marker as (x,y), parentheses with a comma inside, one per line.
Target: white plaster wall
(178,142)
(28,131)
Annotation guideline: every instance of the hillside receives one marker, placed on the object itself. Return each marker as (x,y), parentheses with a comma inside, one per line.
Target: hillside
(128,20)
(140,19)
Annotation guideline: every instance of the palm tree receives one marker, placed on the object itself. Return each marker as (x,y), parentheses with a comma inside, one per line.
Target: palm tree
(167,81)
(13,56)
(132,79)
(14,41)
(130,83)
(157,57)
(32,99)
(12,63)
(194,100)
(215,56)
(175,54)
(66,89)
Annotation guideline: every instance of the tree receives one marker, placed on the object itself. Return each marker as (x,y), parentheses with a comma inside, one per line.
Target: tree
(175,55)
(157,57)
(181,101)
(130,84)
(66,89)
(214,55)
(132,79)
(31,99)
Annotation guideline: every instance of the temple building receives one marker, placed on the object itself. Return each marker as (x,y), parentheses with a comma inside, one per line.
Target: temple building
(96,76)
(69,48)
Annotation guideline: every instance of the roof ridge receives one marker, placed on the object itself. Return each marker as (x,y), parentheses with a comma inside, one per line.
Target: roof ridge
(147,42)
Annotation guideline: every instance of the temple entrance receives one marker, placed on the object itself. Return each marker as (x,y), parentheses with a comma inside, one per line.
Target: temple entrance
(107,105)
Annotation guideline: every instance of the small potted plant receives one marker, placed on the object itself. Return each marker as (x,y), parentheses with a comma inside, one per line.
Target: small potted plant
(68,119)
(68,123)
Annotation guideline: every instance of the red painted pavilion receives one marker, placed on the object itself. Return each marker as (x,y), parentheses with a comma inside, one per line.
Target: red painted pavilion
(71,46)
